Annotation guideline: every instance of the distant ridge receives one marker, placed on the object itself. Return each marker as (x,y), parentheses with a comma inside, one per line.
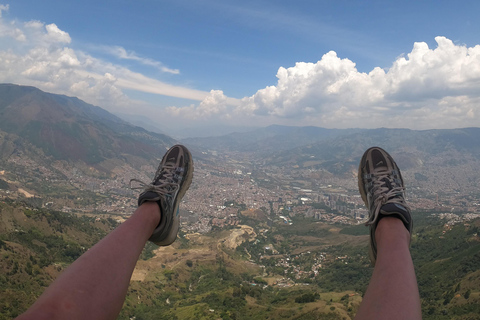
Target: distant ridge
(68,128)
(411,148)
(274,138)
(339,150)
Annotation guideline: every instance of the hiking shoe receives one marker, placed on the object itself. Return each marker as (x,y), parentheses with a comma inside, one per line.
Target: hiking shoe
(381,187)
(172,179)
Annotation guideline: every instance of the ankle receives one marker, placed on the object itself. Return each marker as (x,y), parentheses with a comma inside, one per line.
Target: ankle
(151,211)
(391,229)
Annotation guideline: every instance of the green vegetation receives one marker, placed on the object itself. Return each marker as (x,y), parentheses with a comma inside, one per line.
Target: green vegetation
(3,184)
(444,258)
(356,230)
(35,246)
(147,252)
(40,243)
(307,297)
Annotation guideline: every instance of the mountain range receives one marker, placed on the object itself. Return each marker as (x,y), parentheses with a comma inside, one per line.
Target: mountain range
(339,150)
(49,143)
(66,128)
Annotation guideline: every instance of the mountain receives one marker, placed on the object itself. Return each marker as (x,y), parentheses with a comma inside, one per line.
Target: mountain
(67,128)
(35,246)
(256,267)
(314,146)
(142,121)
(270,139)
(411,147)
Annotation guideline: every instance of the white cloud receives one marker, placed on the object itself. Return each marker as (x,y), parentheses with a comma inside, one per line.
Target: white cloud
(41,35)
(213,104)
(40,55)
(3,7)
(34,24)
(422,90)
(10,31)
(14,33)
(121,53)
(54,34)
(426,88)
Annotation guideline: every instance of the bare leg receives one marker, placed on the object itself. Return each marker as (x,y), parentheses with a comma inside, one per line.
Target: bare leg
(95,285)
(393,291)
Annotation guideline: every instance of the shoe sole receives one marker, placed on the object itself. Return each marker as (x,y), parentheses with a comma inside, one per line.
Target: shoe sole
(361,184)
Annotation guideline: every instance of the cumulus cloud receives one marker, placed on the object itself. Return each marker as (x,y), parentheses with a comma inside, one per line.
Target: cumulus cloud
(14,33)
(54,34)
(426,88)
(423,89)
(9,31)
(3,7)
(39,54)
(39,34)
(213,104)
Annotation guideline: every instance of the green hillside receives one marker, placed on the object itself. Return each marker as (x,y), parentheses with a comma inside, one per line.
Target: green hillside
(35,246)
(66,128)
(237,273)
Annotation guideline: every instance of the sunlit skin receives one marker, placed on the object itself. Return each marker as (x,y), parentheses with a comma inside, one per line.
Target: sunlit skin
(393,291)
(95,285)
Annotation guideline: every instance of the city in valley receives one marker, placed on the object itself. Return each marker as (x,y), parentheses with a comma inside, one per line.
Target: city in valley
(233,185)
(287,237)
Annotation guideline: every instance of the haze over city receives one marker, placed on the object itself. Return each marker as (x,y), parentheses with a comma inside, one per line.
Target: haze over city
(194,64)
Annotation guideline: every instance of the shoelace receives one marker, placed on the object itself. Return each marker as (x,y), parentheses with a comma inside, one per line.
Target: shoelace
(382,194)
(165,184)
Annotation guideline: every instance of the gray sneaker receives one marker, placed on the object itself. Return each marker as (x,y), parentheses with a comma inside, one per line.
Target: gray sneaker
(381,187)
(172,179)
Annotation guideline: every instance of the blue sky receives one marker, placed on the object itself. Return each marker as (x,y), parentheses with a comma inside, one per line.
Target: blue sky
(253,63)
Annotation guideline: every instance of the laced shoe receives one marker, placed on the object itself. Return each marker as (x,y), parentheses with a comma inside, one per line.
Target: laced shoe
(172,179)
(381,187)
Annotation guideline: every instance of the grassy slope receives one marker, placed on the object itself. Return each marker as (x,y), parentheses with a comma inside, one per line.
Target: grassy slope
(202,279)
(35,246)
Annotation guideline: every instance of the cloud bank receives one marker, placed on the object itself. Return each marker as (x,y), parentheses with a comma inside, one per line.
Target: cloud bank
(425,88)
(3,7)
(41,55)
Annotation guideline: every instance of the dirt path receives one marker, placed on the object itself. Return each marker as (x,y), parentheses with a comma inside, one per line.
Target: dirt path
(239,236)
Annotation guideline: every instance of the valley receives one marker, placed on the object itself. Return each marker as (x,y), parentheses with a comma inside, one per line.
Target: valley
(308,270)
(271,227)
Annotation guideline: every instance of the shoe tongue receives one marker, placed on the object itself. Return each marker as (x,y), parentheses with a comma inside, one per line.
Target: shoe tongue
(170,164)
(380,166)
(379,163)
(381,170)
(171,161)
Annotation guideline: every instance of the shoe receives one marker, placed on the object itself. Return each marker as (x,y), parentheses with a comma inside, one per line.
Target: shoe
(172,179)
(381,187)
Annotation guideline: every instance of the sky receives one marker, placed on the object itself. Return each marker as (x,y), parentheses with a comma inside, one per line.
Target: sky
(197,65)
